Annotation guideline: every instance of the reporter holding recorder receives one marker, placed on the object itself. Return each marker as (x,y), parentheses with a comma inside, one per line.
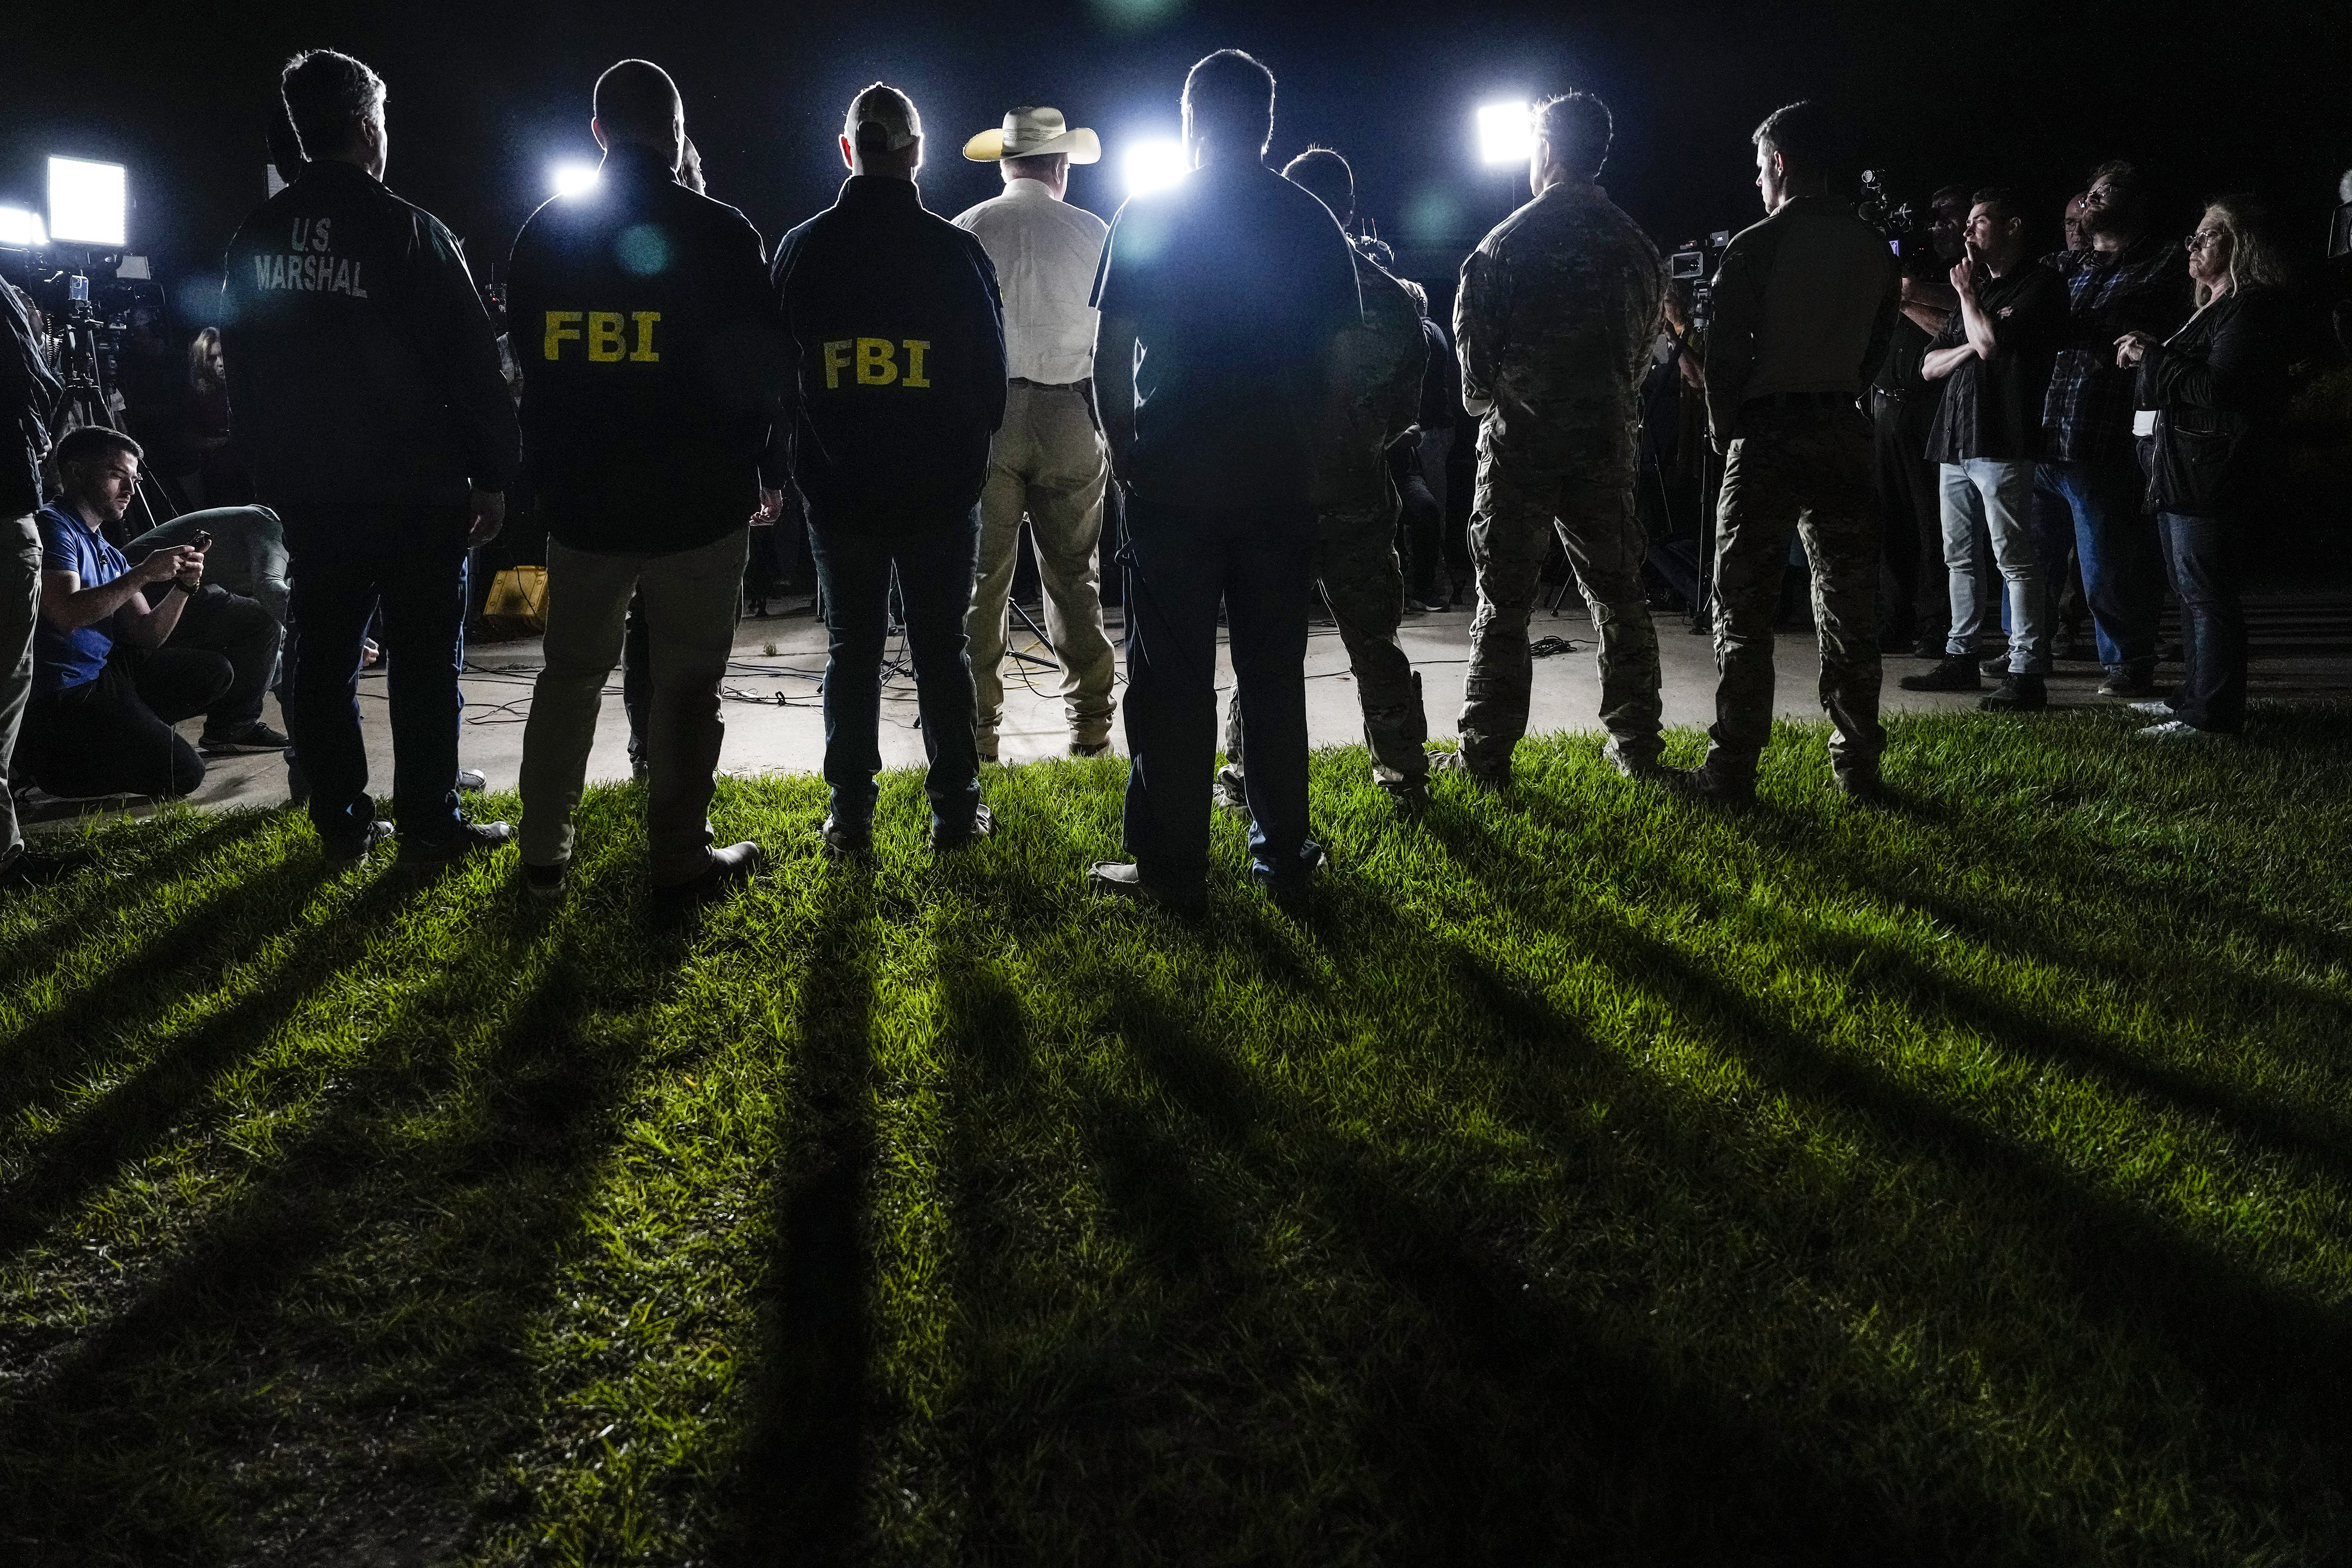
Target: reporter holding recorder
(650,352)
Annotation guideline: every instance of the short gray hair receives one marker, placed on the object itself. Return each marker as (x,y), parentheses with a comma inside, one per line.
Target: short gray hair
(327,96)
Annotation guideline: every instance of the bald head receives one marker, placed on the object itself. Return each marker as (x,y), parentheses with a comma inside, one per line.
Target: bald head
(637,105)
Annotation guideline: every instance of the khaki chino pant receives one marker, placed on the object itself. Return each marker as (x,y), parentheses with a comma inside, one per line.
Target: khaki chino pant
(1047,461)
(690,600)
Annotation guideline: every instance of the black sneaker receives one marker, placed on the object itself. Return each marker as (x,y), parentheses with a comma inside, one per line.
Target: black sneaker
(1957,672)
(1090,748)
(945,838)
(1633,765)
(245,740)
(1289,889)
(471,838)
(1994,666)
(1861,784)
(546,882)
(351,851)
(844,839)
(1409,802)
(2017,694)
(2128,681)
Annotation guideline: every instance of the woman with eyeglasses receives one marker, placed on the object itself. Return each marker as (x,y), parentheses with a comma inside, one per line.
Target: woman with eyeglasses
(2211,396)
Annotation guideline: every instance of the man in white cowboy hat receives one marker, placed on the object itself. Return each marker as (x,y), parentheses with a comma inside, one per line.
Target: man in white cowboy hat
(1047,459)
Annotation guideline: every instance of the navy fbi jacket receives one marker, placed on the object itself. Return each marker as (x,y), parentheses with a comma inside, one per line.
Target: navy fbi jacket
(896,336)
(651,356)
(364,369)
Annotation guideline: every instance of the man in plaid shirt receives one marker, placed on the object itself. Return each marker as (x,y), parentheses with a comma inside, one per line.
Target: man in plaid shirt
(2089,480)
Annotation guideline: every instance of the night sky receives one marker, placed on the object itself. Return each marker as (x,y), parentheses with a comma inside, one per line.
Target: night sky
(485,97)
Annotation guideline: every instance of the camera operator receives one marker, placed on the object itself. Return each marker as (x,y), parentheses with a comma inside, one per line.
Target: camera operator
(27,394)
(382,432)
(1994,355)
(2087,486)
(1805,305)
(107,689)
(1902,405)
(897,334)
(645,407)
(1557,309)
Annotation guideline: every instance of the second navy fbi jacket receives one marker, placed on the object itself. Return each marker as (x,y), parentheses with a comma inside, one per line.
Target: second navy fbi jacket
(896,336)
(652,361)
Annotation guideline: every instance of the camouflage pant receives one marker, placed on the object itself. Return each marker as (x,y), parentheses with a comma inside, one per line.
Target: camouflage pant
(1357,569)
(1519,502)
(1805,471)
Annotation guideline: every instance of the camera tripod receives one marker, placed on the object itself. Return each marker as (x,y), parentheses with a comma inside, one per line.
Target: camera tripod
(83,401)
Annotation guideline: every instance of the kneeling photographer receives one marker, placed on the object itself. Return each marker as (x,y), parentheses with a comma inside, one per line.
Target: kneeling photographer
(123,652)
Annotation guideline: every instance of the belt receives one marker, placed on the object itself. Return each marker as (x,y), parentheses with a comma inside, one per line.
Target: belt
(1047,385)
(1799,400)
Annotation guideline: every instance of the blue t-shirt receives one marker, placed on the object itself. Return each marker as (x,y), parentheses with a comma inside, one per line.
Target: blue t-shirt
(62,659)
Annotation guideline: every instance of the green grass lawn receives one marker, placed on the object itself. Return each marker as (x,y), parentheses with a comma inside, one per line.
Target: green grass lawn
(1588,1177)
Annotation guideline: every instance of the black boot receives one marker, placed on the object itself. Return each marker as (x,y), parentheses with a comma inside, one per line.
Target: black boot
(2016,694)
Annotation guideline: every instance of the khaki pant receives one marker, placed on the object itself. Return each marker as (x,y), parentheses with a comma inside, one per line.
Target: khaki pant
(1586,495)
(1047,461)
(20,606)
(690,599)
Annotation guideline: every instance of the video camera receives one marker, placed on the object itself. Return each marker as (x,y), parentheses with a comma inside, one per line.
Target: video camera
(1696,264)
(1907,228)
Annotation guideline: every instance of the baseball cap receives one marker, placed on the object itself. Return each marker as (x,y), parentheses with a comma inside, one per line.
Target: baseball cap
(889,114)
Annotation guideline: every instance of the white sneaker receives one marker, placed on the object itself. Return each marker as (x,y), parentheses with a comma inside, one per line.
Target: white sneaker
(2157,708)
(2177,730)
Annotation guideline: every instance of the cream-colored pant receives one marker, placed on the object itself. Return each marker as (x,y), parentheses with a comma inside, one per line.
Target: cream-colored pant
(690,601)
(1047,461)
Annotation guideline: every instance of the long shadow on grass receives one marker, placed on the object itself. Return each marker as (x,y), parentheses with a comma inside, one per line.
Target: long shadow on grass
(123,1124)
(415,1396)
(797,1489)
(2272,1356)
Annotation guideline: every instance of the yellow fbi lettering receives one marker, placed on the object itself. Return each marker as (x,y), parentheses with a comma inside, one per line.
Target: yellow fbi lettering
(605,335)
(874,362)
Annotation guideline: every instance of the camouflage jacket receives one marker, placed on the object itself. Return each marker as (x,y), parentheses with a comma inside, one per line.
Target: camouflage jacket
(1385,357)
(1555,320)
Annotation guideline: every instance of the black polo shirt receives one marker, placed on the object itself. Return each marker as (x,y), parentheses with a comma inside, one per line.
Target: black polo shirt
(1992,408)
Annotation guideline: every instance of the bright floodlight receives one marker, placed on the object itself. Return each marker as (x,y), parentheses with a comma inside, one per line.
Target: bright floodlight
(1155,165)
(574,178)
(86,203)
(1505,136)
(22,230)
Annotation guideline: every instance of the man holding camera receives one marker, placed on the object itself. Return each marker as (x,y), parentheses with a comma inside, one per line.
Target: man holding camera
(649,346)
(383,434)
(897,334)
(1557,316)
(1805,306)
(119,656)
(1994,356)
(1046,461)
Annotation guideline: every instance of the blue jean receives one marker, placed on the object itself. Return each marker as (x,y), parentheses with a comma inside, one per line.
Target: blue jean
(1998,496)
(1181,563)
(344,560)
(2099,505)
(2202,554)
(935,563)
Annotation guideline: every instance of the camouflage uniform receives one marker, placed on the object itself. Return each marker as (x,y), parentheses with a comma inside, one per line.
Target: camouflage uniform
(1555,321)
(1356,506)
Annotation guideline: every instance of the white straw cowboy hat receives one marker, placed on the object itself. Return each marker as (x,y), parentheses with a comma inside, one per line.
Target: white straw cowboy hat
(1033,133)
